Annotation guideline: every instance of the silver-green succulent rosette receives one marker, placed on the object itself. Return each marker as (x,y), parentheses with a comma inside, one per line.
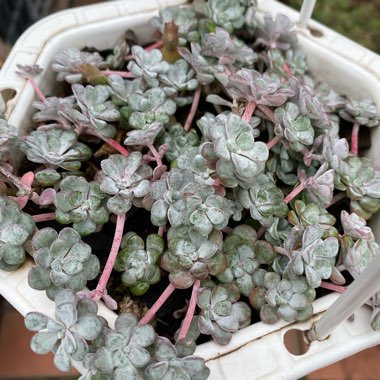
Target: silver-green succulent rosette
(55,148)
(124,354)
(264,200)
(170,365)
(139,261)
(233,151)
(316,258)
(221,313)
(290,300)
(15,228)
(75,324)
(62,261)
(81,203)
(189,259)
(126,179)
(245,254)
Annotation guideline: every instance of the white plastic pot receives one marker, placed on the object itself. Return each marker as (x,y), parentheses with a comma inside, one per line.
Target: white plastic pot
(258,351)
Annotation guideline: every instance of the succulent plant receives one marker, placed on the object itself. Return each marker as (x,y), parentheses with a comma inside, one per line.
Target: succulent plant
(122,89)
(252,86)
(184,18)
(205,68)
(330,99)
(124,354)
(81,203)
(168,193)
(357,255)
(179,78)
(227,49)
(362,184)
(245,255)
(68,64)
(178,140)
(170,366)
(335,152)
(8,132)
(282,165)
(264,200)
(262,281)
(55,148)
(290,300)
(296,129)
(96,110)
(293,63)
(355,227)
(150,106)
(126,179)
(205,211)
(139,261)
(15,228)
(316,258)
(144,136)
(277,33)
(320,186)
(62,261)
(147,65)
(75,323)
(311,214)
(233,151)
(363,112)
(188,259)
(221,313)
(53,109)
(226,13)
(278,231)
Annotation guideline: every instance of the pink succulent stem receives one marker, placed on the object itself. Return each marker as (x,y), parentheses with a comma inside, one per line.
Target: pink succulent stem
(248,112)
(154,45)
(44,217)
(101,287)
(123,74)
(330,286)
(268,113)
(355,138)
(193,110)
(273,142)
(156,155)
(190,311)
(161,230)
(261,232)
(37,89)
(157,305)
(115,145)
(294,193)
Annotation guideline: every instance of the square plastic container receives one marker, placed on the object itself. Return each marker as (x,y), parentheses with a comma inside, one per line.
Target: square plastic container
(258,351)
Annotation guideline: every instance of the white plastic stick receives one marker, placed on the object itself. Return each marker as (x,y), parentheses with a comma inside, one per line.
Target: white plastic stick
(359,292)
(306,12)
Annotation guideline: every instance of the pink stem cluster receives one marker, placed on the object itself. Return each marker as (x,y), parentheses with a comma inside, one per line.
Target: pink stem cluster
(116,146)
(102,284)
(37,89)
(123,74)
(355,139)
(44,217)
(295,192)
(157,305)
(193,109)
(155,154)
(273,142)
(190,311)
(334,287)
(249,110)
